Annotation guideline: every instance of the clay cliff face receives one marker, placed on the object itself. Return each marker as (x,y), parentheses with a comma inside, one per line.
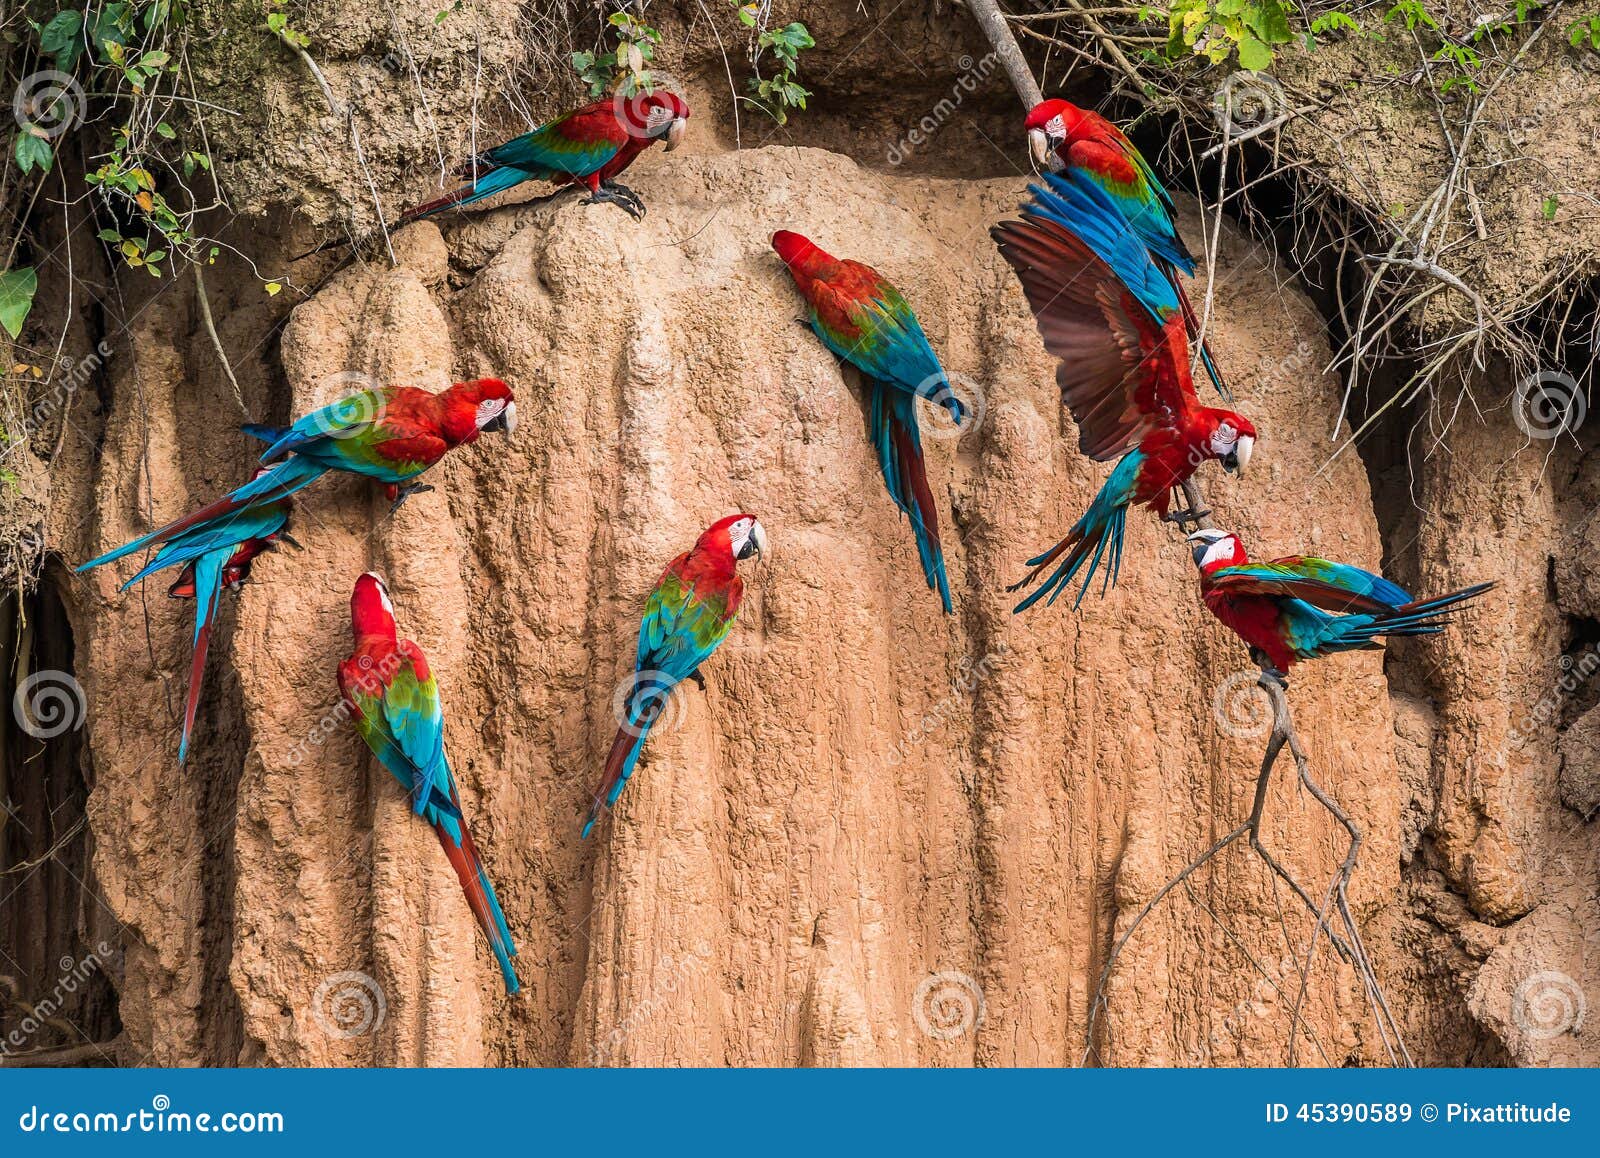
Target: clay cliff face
(878,835)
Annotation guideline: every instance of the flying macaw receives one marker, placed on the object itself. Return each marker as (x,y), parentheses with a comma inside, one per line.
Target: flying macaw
(588,146)
(391,434)
(1124,377)
(1064,137)
(686,618)
(863,319)
(1282,608)
(394,700)
(213,556)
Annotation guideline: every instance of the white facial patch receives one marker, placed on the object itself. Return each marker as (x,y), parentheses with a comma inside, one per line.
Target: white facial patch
(739,534)
(1055,126)
(1220,551)
(1224,439)
(488,410)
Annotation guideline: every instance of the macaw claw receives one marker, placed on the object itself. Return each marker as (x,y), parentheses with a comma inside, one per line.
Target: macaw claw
(401,494)
(1184,516)
(628,202)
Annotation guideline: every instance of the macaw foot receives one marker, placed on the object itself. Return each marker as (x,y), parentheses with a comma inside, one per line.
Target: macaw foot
(699,679)
(401,494)
(604,195)
(622,190)
(1268,668)
(1186,515)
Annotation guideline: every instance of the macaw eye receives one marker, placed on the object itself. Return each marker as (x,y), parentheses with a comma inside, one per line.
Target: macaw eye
(488,410)
(1056,127)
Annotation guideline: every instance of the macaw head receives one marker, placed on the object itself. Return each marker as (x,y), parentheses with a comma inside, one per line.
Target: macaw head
(666,117)
(740,536)
(1230,439)
(1050,125)
(475,406)
(1214,548)
(371,613)
(798,253)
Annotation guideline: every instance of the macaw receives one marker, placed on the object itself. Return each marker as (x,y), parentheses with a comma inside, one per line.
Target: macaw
(1064,137)
(391,434)
(213,556)
(863,319)
(588,146)
(1125,379)
(393,698)
(1282,608)
(686,618)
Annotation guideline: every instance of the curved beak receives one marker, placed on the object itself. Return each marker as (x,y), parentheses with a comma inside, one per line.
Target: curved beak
(1042,150)
(756,544)
(505,421)
(1241,454)
(675,133)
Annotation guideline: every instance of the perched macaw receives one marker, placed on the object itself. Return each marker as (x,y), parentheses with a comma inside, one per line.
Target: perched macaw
(1282,608)
(588,146)
(394,700)
(863,319)
(213,556)
(686,618)
(1063,137)
(1125,378)
(391,434)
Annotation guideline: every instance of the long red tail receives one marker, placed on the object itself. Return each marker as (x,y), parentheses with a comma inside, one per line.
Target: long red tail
(481,900)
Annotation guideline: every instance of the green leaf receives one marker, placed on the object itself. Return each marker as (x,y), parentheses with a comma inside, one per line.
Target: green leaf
(33,151)
(17,287)
(1253,54)
(166,132)
(1269,22)
(1551,204)
(59,37)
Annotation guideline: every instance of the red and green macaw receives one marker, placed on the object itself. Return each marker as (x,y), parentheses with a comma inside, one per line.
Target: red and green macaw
(686,618)
(391,434)
(1124,376)
(394,700)
(214,556)
(1303,607)
(1065,138)
(589,146)
(864,320)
